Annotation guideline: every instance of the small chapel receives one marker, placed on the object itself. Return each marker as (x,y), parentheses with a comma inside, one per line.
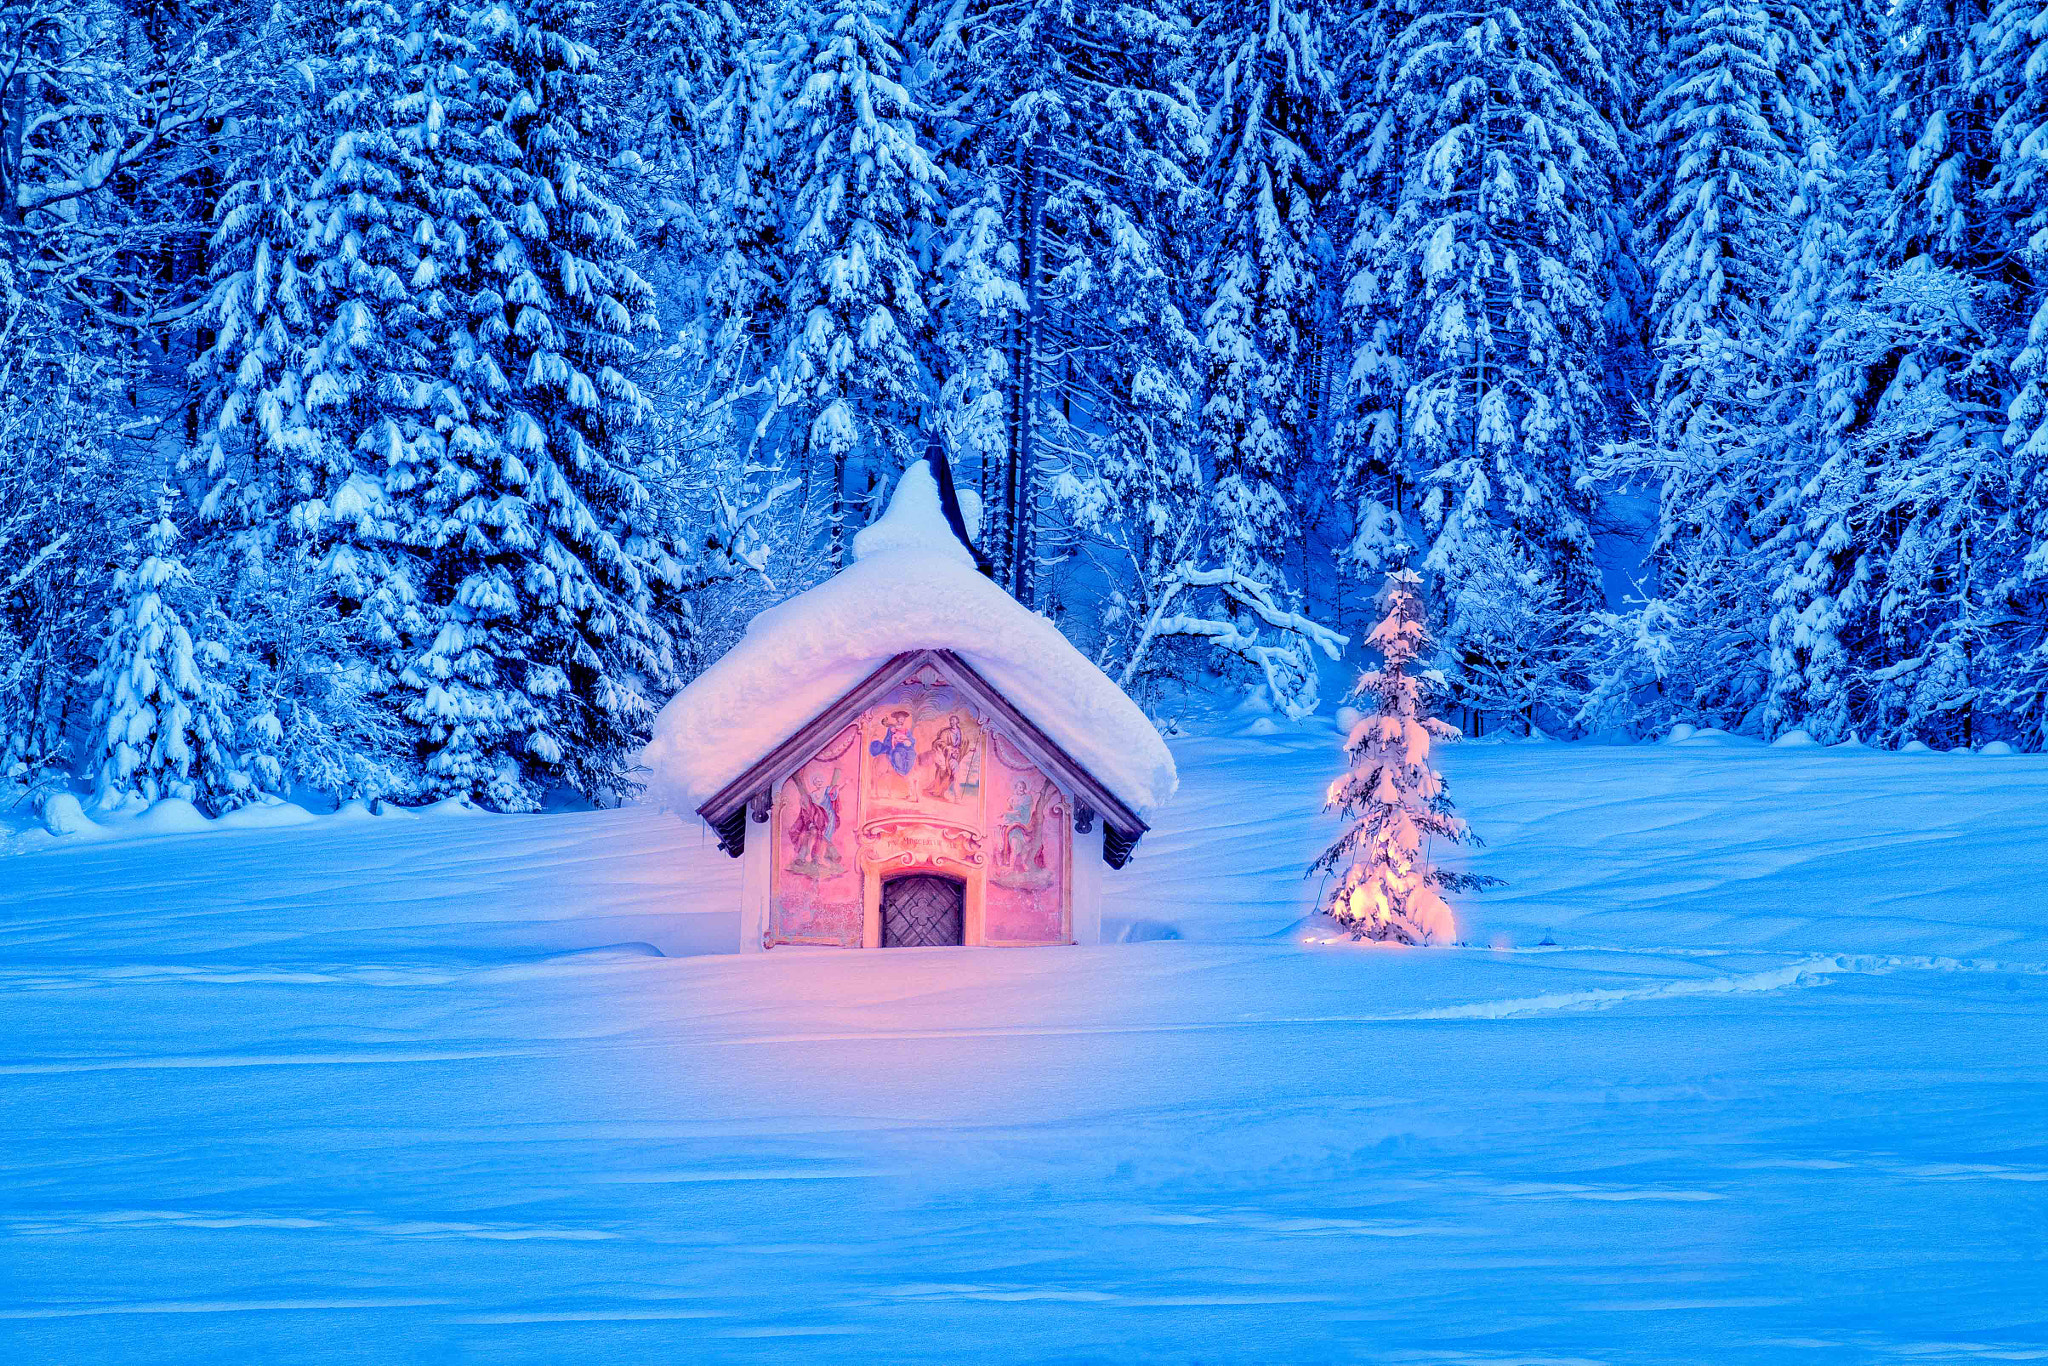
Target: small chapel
(906,756)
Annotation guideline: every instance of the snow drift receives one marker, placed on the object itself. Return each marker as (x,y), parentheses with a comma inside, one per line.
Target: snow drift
(496,1088)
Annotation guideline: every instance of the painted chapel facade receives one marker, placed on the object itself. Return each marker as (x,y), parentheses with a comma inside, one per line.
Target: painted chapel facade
(922,808)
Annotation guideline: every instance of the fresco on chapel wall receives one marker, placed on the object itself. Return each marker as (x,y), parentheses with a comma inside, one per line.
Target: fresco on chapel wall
(1026,901)
(926,751)
(922,799)
(920,782)
(817,892)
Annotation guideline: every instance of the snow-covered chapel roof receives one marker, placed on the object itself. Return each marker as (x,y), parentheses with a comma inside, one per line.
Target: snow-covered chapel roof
(911,586)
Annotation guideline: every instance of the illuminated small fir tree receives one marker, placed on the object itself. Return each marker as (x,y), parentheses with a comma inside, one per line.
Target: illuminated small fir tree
(1393,798)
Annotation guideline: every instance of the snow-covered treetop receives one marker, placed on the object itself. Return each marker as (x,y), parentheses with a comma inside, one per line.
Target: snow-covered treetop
(912,586)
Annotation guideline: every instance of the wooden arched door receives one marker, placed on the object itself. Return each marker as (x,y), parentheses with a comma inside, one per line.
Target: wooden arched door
(922,909)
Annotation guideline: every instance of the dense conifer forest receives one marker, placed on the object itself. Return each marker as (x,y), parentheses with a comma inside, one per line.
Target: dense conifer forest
(404,397)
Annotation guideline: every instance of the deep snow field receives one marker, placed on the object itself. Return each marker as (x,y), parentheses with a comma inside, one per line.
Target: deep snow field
(462,1087)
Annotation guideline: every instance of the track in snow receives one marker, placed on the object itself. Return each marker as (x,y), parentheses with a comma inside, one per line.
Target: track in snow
(430,1090)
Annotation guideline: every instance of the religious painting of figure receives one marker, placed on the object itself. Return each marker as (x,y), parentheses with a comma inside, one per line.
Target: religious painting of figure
(816,883)
(943,758)
(1020,836)
(1030,850)
(925,749)
(895,750)
(813,830)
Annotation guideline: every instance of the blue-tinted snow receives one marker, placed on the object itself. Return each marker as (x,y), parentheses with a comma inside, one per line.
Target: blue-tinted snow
(420,1089)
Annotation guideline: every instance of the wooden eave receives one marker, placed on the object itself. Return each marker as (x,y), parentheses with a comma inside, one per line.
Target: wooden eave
(769,771)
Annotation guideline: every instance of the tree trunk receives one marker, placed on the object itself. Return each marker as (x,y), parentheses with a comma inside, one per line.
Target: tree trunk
(13,115)
(837,552)
(1021,494)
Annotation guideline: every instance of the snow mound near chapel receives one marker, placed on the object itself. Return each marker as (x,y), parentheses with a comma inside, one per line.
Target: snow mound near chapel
(911,586)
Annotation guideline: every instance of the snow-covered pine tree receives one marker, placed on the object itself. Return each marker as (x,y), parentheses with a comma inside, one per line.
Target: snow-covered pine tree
(978,305)
(1935,341)
(1716,202)
(1763,554)
(1366,468)
(1489,279)
(421,145)
(744,284)
(1882,500)
(704,78)
(1392,798)
(1809,555)
(2015,66)
(112,120)
(254,432)
(1714,230)
(1102,460)
(1078,117)
(303,663)
(684,59)
(160,724)
(849,385)
(326,318)
(978,302)
(1270,90)
(999,101)
(1756,565)
(546,573)
(260,319)
(374,353)
(65,493)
